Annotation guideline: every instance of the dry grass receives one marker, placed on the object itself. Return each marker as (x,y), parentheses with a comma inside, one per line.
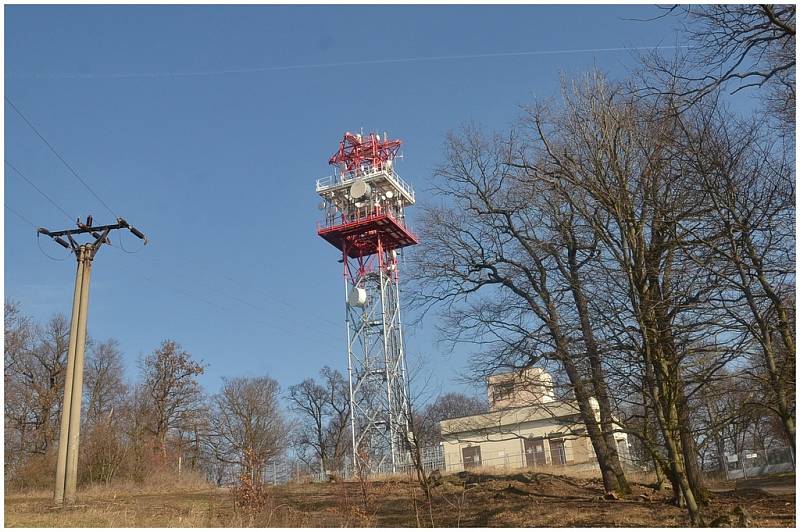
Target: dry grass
(478,499)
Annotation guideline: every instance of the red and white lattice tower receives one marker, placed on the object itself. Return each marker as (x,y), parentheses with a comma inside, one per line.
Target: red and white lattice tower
(364,203)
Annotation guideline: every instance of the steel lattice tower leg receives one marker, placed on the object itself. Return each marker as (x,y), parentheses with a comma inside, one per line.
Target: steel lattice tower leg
(379,399)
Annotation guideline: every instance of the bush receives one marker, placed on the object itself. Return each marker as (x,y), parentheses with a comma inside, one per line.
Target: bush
(35,472)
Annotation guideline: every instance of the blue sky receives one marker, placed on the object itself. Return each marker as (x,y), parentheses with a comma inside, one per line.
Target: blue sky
(219,169)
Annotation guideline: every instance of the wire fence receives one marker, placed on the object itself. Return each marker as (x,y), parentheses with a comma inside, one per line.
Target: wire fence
(756,463)
(285,469)
(433,458)
(743,465)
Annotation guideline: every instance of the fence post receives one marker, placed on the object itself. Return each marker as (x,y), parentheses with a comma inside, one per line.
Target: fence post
(744,464)
(725,465)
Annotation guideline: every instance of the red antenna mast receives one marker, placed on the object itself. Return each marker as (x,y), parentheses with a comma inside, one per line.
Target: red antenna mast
(356,152)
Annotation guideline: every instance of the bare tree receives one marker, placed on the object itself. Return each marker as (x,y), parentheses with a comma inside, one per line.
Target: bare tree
(747,244)
(104,379)
(134,416)
(35,364)
(247,426)
(18,340)
(636,191)
(18,334)
(38,373)
(104,449)
(494,256)
(170,393)
(725,410)
(736,45)
(446,406)
(322,435)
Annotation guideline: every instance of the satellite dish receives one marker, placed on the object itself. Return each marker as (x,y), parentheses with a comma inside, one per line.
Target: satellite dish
(389,194)
(357,297)
(359,189)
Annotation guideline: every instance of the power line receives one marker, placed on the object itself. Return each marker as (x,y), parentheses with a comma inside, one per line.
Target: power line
(254,70)
(40,191)
(260,308)
(38,243)
(305,333)
(191,295)
(71,218)
(21,217)
(77,176)
(248,287)
(60,158)
(49,256)
(284,302)
(209,299)
(122,247)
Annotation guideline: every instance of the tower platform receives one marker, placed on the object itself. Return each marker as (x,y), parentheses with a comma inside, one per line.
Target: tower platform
(359,237)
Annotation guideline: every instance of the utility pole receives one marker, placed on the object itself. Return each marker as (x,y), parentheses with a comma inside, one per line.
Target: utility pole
(67,465)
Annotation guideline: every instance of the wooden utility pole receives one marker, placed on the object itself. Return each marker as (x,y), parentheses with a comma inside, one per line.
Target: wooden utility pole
(67,465)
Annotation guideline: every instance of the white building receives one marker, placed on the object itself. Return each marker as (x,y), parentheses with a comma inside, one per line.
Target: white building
(526,427)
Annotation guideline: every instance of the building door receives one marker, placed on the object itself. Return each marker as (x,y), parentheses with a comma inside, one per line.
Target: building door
(557,452)
(534,452)
(471,457)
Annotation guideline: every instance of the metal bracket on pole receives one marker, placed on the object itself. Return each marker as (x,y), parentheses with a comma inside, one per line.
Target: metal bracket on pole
(100,233)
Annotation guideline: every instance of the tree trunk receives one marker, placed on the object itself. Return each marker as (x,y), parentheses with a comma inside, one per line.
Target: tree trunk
(668,418)
(689,448)
(611,481)
(598,379)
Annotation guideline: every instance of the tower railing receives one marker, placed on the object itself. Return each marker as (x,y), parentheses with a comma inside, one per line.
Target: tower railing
(347,178)
(360,215)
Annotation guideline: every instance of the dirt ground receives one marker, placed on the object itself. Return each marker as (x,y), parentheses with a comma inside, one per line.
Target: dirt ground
(486,500)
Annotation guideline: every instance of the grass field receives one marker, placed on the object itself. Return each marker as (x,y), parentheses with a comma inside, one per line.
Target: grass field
(519,500)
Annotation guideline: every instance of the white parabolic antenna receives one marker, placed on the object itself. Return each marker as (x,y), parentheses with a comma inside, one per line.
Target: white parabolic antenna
(359,189)
(357,297)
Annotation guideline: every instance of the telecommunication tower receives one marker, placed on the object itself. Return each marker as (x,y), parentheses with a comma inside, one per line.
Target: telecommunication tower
(364,217)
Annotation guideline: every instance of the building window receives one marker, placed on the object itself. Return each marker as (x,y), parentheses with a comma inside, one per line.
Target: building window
(502,391)
(471,457)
